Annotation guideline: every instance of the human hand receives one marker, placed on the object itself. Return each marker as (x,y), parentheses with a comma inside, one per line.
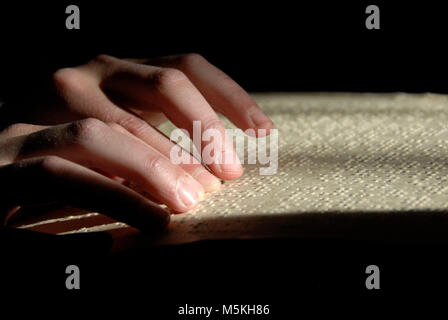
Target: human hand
(86,164)
(140,94)
(129,98)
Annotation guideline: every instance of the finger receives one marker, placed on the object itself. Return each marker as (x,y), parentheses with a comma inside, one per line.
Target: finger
(223,93)
(173,93)
(90,101)
(92,143)
(8,147)
(19,129)
(46,179)
(153,118)
(196,170)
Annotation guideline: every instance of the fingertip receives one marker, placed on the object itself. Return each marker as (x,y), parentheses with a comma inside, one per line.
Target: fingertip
(264,129)
(258,124)
(258,117)
(232,175)
(207,180)
(229,171)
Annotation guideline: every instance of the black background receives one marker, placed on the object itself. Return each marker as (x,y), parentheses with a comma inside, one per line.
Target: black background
(265,46)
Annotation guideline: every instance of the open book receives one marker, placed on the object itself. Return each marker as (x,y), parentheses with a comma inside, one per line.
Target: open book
(356,165)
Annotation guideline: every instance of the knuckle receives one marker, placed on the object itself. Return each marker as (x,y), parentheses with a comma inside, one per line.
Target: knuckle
(104,59)
(168,78)
(192,59)
(86,129)
(101,66)
(66,79)
(50,163)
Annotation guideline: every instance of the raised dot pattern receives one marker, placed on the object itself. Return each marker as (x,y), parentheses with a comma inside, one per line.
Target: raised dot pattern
(337,152)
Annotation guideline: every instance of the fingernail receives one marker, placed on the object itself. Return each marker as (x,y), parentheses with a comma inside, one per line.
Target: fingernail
(259,118)
(188,192)
(208,180)
(230,171)
(231,165)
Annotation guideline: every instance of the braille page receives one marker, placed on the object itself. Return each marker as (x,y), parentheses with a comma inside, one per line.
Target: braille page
(369,165)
